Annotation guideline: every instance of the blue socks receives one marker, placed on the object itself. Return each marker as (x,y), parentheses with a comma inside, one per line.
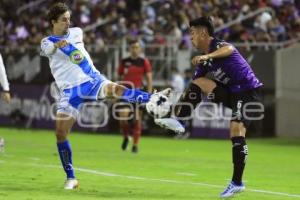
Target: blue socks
(65,154)
(135,96)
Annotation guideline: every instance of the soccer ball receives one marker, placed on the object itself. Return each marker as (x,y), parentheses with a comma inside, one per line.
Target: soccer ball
(158,106)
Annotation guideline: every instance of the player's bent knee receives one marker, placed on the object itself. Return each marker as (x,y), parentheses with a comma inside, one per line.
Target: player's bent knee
(124,114)
(63,127)
(119,90)
(113,90)
(108,89)
(205,84)
(61,134)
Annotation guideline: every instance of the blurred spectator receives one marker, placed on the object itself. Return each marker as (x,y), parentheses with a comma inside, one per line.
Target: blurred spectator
(151,20)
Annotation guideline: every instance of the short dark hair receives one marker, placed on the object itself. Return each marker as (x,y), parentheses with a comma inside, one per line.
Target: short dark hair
(55,11)
(133,41)
(205,22)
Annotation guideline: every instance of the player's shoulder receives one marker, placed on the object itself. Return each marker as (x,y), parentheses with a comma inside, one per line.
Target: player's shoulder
(45,41)
(145,59)
(126,59)
(142,60)
(221,43)
(76,30)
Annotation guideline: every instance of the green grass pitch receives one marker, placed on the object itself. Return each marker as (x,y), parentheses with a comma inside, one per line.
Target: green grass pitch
(164,168)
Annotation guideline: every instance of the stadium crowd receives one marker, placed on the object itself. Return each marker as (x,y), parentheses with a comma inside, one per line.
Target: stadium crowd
(151,20)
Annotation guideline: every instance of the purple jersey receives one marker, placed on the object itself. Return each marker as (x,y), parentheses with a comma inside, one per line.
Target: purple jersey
(232,71)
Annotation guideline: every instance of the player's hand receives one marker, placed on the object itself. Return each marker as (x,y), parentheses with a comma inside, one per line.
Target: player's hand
(199,59)
(60,43)
(6,96)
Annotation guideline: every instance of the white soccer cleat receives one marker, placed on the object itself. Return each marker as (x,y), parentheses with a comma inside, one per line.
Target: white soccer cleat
(165,92)
(232,189)
(170,123)
(71,184)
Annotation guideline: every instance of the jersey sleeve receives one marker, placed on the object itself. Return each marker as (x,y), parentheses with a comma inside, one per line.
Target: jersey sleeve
(147,66)
(222,43)
(47,47)
(79,32)
(201,71)
(3,77)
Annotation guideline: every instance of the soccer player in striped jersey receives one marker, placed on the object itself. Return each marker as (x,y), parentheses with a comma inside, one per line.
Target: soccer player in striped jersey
(77,79)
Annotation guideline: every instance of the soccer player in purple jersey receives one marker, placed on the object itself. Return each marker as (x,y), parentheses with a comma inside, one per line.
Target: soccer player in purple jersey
(225,77)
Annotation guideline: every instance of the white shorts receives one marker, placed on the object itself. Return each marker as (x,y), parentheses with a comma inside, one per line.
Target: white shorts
(70,100)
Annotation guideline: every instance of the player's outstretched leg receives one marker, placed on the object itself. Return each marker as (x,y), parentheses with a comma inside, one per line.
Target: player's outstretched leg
(129,95)
(183,109)
(189,101)
(64,124)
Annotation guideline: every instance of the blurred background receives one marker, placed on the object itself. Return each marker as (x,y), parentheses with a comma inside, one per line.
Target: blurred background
(267,33)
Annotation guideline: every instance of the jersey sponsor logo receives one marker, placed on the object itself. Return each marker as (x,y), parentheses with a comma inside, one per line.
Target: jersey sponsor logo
(220,76)
(128,64)
(208,62)
(76,57)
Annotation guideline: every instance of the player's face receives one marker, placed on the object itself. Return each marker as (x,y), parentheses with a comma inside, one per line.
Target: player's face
(198,36)
(135,49)
(62,24)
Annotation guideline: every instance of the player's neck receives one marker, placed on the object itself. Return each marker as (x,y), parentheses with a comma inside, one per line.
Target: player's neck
(58,32)
(134,57)
(207,45)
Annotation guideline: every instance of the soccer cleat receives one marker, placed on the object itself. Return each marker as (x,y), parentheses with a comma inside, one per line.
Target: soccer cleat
(232,189)
(71,184)
(125,143)
(134,149)
(170,123)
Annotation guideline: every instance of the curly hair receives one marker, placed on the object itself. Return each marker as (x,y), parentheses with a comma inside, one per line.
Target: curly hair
(55,11)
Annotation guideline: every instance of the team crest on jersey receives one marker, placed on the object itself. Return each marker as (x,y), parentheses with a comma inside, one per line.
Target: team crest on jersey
(76,57)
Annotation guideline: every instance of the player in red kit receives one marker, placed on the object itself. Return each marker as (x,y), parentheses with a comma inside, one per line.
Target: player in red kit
(132,71)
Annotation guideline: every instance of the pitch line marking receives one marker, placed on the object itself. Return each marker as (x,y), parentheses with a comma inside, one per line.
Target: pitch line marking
(96,172)
(181,182)
(8,155)
(34,158)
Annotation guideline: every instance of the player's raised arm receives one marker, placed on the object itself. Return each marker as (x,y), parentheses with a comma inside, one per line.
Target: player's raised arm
(47,47)
(222,52)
